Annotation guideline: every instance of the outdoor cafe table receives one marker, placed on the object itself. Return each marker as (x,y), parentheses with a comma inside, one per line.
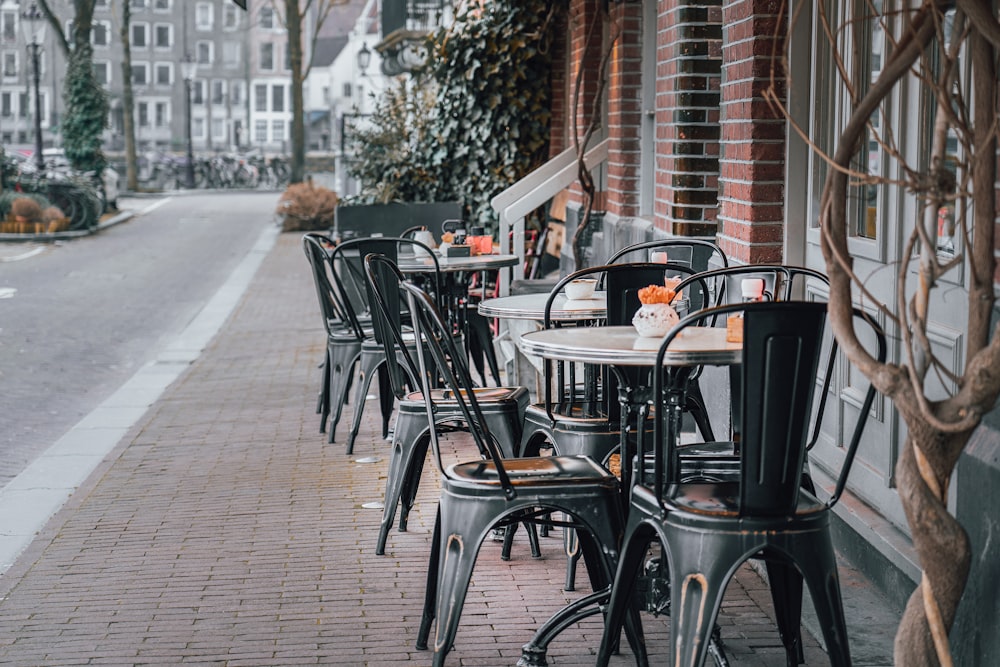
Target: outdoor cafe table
(620,346)
(532,307)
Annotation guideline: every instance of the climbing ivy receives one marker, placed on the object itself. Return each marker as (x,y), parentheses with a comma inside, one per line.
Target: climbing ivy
(86,113)
(477,117)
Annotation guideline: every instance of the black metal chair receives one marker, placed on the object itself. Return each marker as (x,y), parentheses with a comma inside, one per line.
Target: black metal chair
(493,491)
(502,407)
(343,345)
(708,528)
(348,260)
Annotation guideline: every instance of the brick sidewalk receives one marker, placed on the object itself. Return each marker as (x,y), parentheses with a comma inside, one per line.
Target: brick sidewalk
(223,530)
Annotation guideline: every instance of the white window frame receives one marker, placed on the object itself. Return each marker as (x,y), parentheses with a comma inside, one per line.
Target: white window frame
(212,89)
(139,107)
(157,66)
(230,19)
(203,45)
(260,56)
(227,48)
(260,131)
(163,5)
(93,34)
(144,66)
(237,93)
(143,28)
(204,13)
(8,25)
(166,115)
(170,36)
(218,128)
(257,106)
(198,127)
(106,65)
(266,19)
(139,4)
(283,98)
(16,55)
(279,129)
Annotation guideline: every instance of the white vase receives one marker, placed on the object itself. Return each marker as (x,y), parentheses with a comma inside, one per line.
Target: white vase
(654,320)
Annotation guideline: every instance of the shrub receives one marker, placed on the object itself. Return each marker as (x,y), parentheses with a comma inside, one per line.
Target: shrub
(305,207)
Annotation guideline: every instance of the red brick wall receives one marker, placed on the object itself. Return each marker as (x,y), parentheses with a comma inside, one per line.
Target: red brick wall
(624,95)
(751,180)
(586,44)
(687,116)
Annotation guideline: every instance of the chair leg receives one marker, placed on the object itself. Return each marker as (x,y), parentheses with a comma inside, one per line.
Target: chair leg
(369,367)
(386,398)
(697,586)
(343,361)
(571,544)
(431,589)
(483,337)
(405,466)
(323,400)
(819,569)
(786,593)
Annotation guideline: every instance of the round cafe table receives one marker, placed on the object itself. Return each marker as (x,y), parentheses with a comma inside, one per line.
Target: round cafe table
(417,264)
(532,307)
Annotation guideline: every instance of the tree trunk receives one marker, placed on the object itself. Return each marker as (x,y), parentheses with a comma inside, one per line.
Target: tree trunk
(128,101)
(293,23)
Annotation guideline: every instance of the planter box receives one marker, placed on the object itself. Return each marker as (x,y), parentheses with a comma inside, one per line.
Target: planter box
(393,219)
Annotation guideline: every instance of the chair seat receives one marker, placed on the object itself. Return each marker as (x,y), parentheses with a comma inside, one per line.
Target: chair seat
(722,499)
(487,394)
(536,471)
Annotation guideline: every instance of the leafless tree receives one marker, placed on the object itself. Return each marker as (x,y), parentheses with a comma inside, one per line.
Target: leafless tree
(932,43)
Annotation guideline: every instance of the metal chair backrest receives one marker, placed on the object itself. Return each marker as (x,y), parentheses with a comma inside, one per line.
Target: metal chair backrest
(438,356)
(698,254)
(314,247)
(781,348)
(384,278)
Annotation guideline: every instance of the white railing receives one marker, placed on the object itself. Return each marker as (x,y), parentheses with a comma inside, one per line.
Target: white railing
(535,189)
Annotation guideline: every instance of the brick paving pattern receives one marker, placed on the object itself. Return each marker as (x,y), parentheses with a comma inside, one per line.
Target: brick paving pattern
(224,530)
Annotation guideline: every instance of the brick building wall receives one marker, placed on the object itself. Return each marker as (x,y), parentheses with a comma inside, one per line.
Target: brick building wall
(689,66)
(752,165)
(624,92)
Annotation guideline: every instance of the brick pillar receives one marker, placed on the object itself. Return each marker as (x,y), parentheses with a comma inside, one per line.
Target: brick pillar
(586,45)
(624,95)
(751,181)
(687,115)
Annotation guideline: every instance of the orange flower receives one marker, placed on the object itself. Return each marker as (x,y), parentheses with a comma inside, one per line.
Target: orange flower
(656,294)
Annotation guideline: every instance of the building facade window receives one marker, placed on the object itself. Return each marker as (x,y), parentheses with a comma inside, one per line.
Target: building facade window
(198,91)
(163,35)
(236,92)
(231,54)
(142,114)
(9,64)
(267,56)
(198,127)
(102,72)
(164,73)
(277,130)
(205,51)
(100,33)
(260,131)
(140,35)
(203,16)
(8,25)
(140,74)
(218,91)
(230,19)
(162,5)
(348,89)
(139,4)
(218,128)
(6,106)
(260,97)
(267,18)
(277,97)
(161,114)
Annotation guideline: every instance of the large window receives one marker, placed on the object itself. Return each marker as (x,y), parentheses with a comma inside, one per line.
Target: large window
(278,130)
(267,56)
(236,92)
(218,91)
(100,33)
(164,73)
(9,64)
(267,18)
(260,131)
(8,25)
(6,105)
(163,35)
(198,91)
(204,16)
(277,97)
(162,114)
(140,74)
(162,5)
(102,72)
(205,51)
(140,35)
(142,114)
(260,97)
(230,19)
(231,54)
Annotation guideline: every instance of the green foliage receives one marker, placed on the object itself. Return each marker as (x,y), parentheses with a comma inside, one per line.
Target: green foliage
(86,113)
(482,122)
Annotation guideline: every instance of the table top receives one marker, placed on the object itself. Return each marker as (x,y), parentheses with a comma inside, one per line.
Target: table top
(408,264)
(532,307)
(622,346)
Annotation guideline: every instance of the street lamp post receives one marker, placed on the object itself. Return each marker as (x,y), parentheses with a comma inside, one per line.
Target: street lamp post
(188,69)
(33,23)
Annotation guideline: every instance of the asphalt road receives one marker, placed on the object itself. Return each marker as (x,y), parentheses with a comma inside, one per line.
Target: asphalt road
(79,318)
